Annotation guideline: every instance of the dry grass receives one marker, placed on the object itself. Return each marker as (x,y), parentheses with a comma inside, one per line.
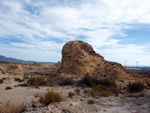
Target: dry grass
(12,108)
(50,97)
(71,94)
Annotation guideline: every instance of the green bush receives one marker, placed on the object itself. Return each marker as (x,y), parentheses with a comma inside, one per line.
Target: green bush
(8,88)
(87,80)
(71,94)
(136,87)
(91,101)
(50,97)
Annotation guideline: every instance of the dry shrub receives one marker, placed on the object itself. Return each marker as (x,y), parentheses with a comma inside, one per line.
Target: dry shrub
(115,90)
(8,88)
(1,81)
(77,91)
(50,97)
(36,81)
(12,108)
(71,94)
(83,86)
(18,79)
(91,101)
(100,91)
(105,93)
(45,80)
(67,81)
(95,93)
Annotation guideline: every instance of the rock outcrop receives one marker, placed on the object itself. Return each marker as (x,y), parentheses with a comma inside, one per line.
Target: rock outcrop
(79,58)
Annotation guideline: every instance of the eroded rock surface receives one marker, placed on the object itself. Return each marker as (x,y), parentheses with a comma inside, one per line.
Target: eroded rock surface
(79,58)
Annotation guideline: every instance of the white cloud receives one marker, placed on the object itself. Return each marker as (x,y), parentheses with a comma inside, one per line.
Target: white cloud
(46,25)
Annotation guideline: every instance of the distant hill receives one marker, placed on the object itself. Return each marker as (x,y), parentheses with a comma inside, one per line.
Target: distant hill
(9,59)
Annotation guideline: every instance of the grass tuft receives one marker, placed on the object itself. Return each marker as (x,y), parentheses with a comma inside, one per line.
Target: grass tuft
(50,97)
(12,108)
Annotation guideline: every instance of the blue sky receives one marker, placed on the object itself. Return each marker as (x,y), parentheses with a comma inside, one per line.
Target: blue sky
(36,30)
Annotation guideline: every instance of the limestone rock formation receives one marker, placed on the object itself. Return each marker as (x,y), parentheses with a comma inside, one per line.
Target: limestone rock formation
(79,58)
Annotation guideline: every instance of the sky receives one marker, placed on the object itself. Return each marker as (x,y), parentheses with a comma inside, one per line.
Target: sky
(36,30)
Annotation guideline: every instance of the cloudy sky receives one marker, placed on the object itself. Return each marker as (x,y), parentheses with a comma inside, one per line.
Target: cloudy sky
(36,30)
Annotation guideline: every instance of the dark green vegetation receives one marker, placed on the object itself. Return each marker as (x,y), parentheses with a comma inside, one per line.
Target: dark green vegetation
(50,97)
(136,87)
(89,81)
(100,88)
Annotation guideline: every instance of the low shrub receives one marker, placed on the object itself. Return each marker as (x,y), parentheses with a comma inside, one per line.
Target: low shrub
(77,91)
(105,93)
(83,86)
(87,80)
(50,97)
(18,79)
(136,87)
(115,90)
(37,81)
(71,94)
(54,80)
(90,81)
(67,81)
(8,88)
(99,90)
(91,101)
(95,92)
(12,108)
(1,81)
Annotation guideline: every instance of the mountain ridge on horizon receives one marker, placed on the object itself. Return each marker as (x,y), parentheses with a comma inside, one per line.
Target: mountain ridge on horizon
(10,59)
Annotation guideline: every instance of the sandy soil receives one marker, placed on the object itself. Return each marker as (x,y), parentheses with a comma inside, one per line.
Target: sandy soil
(76,104)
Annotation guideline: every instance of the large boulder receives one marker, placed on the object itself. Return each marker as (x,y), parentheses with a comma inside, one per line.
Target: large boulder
(79,58)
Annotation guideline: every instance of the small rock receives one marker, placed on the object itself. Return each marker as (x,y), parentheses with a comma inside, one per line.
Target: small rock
(36,104)
(66,111)
(104,110)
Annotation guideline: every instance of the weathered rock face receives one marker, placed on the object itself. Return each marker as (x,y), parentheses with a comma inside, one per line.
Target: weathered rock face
(79,58)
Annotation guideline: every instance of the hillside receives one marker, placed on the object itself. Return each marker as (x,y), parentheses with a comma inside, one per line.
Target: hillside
(9,59)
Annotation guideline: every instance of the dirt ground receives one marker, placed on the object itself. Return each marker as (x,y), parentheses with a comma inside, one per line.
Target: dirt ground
(77,104)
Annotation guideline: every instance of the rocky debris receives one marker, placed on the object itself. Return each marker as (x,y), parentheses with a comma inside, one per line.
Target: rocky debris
(79,59)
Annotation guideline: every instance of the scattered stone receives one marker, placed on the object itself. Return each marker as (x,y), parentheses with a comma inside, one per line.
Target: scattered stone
(66,111)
